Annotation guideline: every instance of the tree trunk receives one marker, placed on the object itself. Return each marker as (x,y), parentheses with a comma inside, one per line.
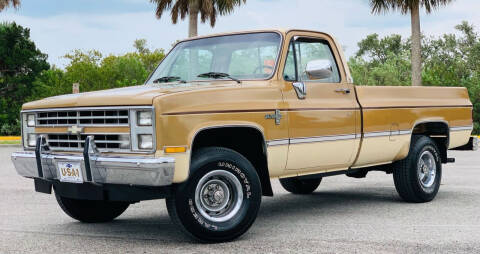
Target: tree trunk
(193,20)
(416,47)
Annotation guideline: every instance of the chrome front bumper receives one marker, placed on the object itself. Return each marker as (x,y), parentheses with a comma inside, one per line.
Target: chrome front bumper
(96,168)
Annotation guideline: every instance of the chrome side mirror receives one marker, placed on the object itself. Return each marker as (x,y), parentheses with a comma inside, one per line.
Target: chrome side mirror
(300,89)
(319,69)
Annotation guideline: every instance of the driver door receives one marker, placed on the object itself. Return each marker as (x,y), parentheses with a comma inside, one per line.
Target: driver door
(323,113)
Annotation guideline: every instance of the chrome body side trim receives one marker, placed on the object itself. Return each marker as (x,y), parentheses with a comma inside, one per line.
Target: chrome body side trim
(278,142)
(376,134)
(321,139)
(386,133)
(462,128)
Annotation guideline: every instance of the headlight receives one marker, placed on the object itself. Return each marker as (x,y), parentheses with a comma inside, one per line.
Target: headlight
(32,140)
(145,141)
(144,118)
(142,129)
(30,120)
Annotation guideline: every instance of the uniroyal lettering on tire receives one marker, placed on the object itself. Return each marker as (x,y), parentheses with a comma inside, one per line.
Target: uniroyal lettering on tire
(220,201)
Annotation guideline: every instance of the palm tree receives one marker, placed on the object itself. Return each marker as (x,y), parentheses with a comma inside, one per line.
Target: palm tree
(208,10)
(412,6)
(7,3)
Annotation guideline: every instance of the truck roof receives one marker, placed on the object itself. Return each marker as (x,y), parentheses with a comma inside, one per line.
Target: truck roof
(277,30)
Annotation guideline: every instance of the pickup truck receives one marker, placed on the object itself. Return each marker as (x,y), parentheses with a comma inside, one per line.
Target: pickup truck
(224,114)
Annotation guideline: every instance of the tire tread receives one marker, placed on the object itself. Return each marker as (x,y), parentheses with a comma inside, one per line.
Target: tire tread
(404,179)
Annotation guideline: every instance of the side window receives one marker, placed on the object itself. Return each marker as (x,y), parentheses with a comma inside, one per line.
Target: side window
(289,70)
(307,50)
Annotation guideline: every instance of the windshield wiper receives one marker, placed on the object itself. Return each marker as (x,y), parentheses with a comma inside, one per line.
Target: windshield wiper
(167,79)
(217,75)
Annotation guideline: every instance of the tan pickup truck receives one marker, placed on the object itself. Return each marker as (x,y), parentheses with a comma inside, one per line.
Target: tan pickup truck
(221,116)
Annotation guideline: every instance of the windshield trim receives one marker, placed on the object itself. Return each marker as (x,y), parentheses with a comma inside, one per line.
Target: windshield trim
(280,51)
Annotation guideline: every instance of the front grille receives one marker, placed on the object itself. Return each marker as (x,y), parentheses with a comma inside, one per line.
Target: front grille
(91,117)
(104,142)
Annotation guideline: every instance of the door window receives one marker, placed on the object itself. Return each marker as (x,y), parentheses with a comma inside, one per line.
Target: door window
(307,50)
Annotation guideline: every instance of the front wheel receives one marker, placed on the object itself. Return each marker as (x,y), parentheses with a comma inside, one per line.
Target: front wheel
(221,198)
(91,211)
(417,178)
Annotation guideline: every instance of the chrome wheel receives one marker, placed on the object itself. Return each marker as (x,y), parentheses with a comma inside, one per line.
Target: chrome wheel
(218,195)
(427,169)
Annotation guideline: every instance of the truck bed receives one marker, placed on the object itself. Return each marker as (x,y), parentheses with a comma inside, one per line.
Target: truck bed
(390,114)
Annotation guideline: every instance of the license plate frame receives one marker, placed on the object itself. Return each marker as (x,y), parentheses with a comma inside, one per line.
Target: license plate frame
(70,172)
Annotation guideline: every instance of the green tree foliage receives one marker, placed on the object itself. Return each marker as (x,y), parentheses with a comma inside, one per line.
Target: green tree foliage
(20,63)
(454,60)
(412,7)
(92,70)
(450,60)
(383,61)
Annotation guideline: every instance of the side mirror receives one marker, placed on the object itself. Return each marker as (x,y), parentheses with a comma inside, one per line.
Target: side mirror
(319,69)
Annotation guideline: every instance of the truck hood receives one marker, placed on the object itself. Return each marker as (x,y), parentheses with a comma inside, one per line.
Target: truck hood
(128,96)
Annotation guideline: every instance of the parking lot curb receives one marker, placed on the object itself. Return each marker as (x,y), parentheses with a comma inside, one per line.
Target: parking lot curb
(10,145)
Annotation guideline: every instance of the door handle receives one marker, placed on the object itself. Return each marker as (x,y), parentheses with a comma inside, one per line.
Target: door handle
(343,90)
(300,89)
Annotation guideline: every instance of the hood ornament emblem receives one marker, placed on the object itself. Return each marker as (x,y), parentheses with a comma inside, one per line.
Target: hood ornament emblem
(75,130)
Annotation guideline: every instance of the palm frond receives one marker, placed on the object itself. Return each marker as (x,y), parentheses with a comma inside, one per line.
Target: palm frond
(404,6)
(208,9)
(161,6)
(6,3)
(431,5)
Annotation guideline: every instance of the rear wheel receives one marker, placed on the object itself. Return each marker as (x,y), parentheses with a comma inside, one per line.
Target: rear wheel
(221,198)
(417,178)
(296,185)
(91,210)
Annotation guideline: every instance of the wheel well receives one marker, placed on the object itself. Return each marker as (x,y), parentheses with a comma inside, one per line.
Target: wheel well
(438,132)
(247,141)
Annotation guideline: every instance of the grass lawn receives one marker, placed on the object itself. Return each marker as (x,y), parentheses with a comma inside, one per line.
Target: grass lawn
(10,142)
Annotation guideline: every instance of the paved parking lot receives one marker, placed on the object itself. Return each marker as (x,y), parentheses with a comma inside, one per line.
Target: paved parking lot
(343,215)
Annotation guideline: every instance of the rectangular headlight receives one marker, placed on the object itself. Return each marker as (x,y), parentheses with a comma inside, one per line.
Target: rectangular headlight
(145,141)
(144,118)
(32,140)
(31,120)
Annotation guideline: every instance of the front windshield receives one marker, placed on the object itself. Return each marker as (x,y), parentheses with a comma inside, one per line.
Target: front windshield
(241,56)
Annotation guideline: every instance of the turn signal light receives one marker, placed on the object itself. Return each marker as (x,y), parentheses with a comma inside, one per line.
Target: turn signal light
(175,149)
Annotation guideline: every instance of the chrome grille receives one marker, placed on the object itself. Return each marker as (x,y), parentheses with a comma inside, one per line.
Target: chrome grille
(91,117)
(104,142)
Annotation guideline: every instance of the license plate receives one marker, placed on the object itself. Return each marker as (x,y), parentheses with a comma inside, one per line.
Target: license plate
(70,172)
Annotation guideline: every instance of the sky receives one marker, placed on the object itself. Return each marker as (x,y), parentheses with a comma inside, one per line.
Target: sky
(111,26)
